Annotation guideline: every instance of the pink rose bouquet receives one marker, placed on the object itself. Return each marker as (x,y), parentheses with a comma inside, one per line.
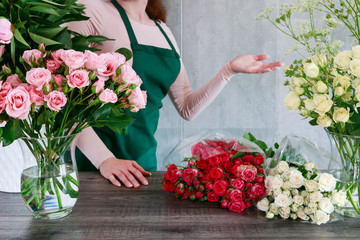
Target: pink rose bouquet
(225,171)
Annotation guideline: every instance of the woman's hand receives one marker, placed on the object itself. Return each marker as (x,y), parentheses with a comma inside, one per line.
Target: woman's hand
(126,171)
(253,64)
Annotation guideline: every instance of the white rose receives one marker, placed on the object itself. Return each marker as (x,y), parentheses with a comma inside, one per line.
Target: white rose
(319,59)
(321,87)
(338,198)
(276,192)
(356,52)
(263,205)
(292,101)
(286,185)
(276,182)
(286,175)
(309,104)
(286,192)
(315,196)
(273,208)
(313,207)
(282,166)
(285,209)
(355,67)
(339,91)
(355,83)
(270,215)
(357,96)
(346,97)
(309,166)
(341,114)
(342,60)
(324,121)
(323,103)
(333,73)
(282,200)
(311,70)
(285,215)
(327,182)
(294,192)
(294,207)
(297,82)
(311,185)
(293,216)
(326,205)
(296,179)
(320,217)
(342,80)
(301,214)
(298,199)
(299,91)
(304,193)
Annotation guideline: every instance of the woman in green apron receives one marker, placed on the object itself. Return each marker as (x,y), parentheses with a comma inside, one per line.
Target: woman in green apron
(158,68)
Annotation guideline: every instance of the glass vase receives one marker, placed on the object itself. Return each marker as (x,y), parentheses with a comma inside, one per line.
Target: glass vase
(49,181)
(344,165)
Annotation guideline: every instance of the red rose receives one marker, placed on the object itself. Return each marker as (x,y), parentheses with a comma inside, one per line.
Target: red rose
(202,164)
(198,149)
(248,185)
(236,195)
(191,163)
(199,195)
(208,186)
(259,159)
(237,161)
(248,158)
(216,173)
(187,175)
(237,183)
(228,166)
(212,196)
(251,196)
(214,160)
(224,203)
(259,179)
(220,187)
(196,183)
(173,173)
(237,206)
(261,170)
(201,187)
(169,187)
(258,189)
(248,204)
(248,175)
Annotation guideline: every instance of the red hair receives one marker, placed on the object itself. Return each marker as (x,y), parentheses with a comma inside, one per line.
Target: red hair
(156,9)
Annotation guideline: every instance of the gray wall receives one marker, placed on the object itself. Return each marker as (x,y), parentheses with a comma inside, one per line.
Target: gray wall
(211,33)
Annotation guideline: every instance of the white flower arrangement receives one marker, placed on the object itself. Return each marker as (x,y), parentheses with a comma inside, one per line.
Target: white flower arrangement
(301,192)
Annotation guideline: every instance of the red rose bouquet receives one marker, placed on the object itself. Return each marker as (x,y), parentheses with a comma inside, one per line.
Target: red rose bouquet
(227,171)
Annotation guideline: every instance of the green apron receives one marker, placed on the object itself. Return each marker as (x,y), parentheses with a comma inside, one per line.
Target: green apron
(158,68)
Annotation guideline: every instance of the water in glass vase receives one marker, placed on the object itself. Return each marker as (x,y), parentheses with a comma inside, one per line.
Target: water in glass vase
(50,192)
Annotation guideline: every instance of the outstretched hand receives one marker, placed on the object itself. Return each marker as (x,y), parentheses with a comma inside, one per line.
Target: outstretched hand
(253,64)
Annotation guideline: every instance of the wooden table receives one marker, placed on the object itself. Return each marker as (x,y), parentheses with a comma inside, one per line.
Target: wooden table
(104,211)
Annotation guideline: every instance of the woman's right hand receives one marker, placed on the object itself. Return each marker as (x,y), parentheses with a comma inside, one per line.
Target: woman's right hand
(127,172)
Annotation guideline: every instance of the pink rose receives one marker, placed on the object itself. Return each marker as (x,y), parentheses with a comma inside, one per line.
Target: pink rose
(32,56)
(129,75)
(121,58)
(111,63)
(38,77)
(107,96)
(237,206)
(257,189)
(73,59)
(5,88)
(99,85)
(137,99)
(2,50)
(36,96)
(56,55)
(2,103)
(5,31)
(55,100)
(52,65)
(18,103)
(236,195)
(237,183)
(94,61)
(14,80)
(58,79)
(78,79)
(248,175)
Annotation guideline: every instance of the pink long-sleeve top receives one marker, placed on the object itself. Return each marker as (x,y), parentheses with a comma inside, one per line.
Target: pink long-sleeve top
(105,20)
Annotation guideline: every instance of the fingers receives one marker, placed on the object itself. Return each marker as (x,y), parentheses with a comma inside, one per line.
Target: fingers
(261,57)
(138,167)
(128,180)
(114,181)
(139,176)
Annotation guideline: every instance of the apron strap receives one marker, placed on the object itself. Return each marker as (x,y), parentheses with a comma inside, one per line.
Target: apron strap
(127,23)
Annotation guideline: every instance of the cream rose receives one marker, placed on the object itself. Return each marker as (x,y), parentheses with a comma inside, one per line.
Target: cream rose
(282,200)
(356,52)
(342,80)
(311,70)
(282,166)
(355,67)
(309,104)
(356,83)
(327,182)
(296,81)
(339,91)
(309,166)
(346,97)
(276,183)
(324,121)
(312,207)
(273,208)
(292,101)
(326,205)
(296,179)
(342,60)
(322,103)
(299,90)
(285,209)
(319,59)
(286,185)
(338,198)
(263,205)
(315,196)
(321,87)
(341,114)
(301,214)
(320,217)
(299,200)
(311,185)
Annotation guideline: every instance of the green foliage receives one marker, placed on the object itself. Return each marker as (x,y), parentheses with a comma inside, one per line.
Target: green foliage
(269,152)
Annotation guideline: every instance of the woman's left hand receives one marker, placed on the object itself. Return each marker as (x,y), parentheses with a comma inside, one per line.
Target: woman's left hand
(253,64)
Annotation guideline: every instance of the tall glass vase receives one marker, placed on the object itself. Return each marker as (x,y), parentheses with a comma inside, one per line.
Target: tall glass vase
(49,181)
(344,165)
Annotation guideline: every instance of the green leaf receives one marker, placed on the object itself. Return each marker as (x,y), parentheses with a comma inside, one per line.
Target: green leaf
(12,50)
(12,131)
(48,32)
(20,25)
(39,39)
(103,112)
(249,137)
(1,132)
(80,43)
(44,10)
(313,122)
(261,145)
(20,38)
(116,124)
(126,52)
